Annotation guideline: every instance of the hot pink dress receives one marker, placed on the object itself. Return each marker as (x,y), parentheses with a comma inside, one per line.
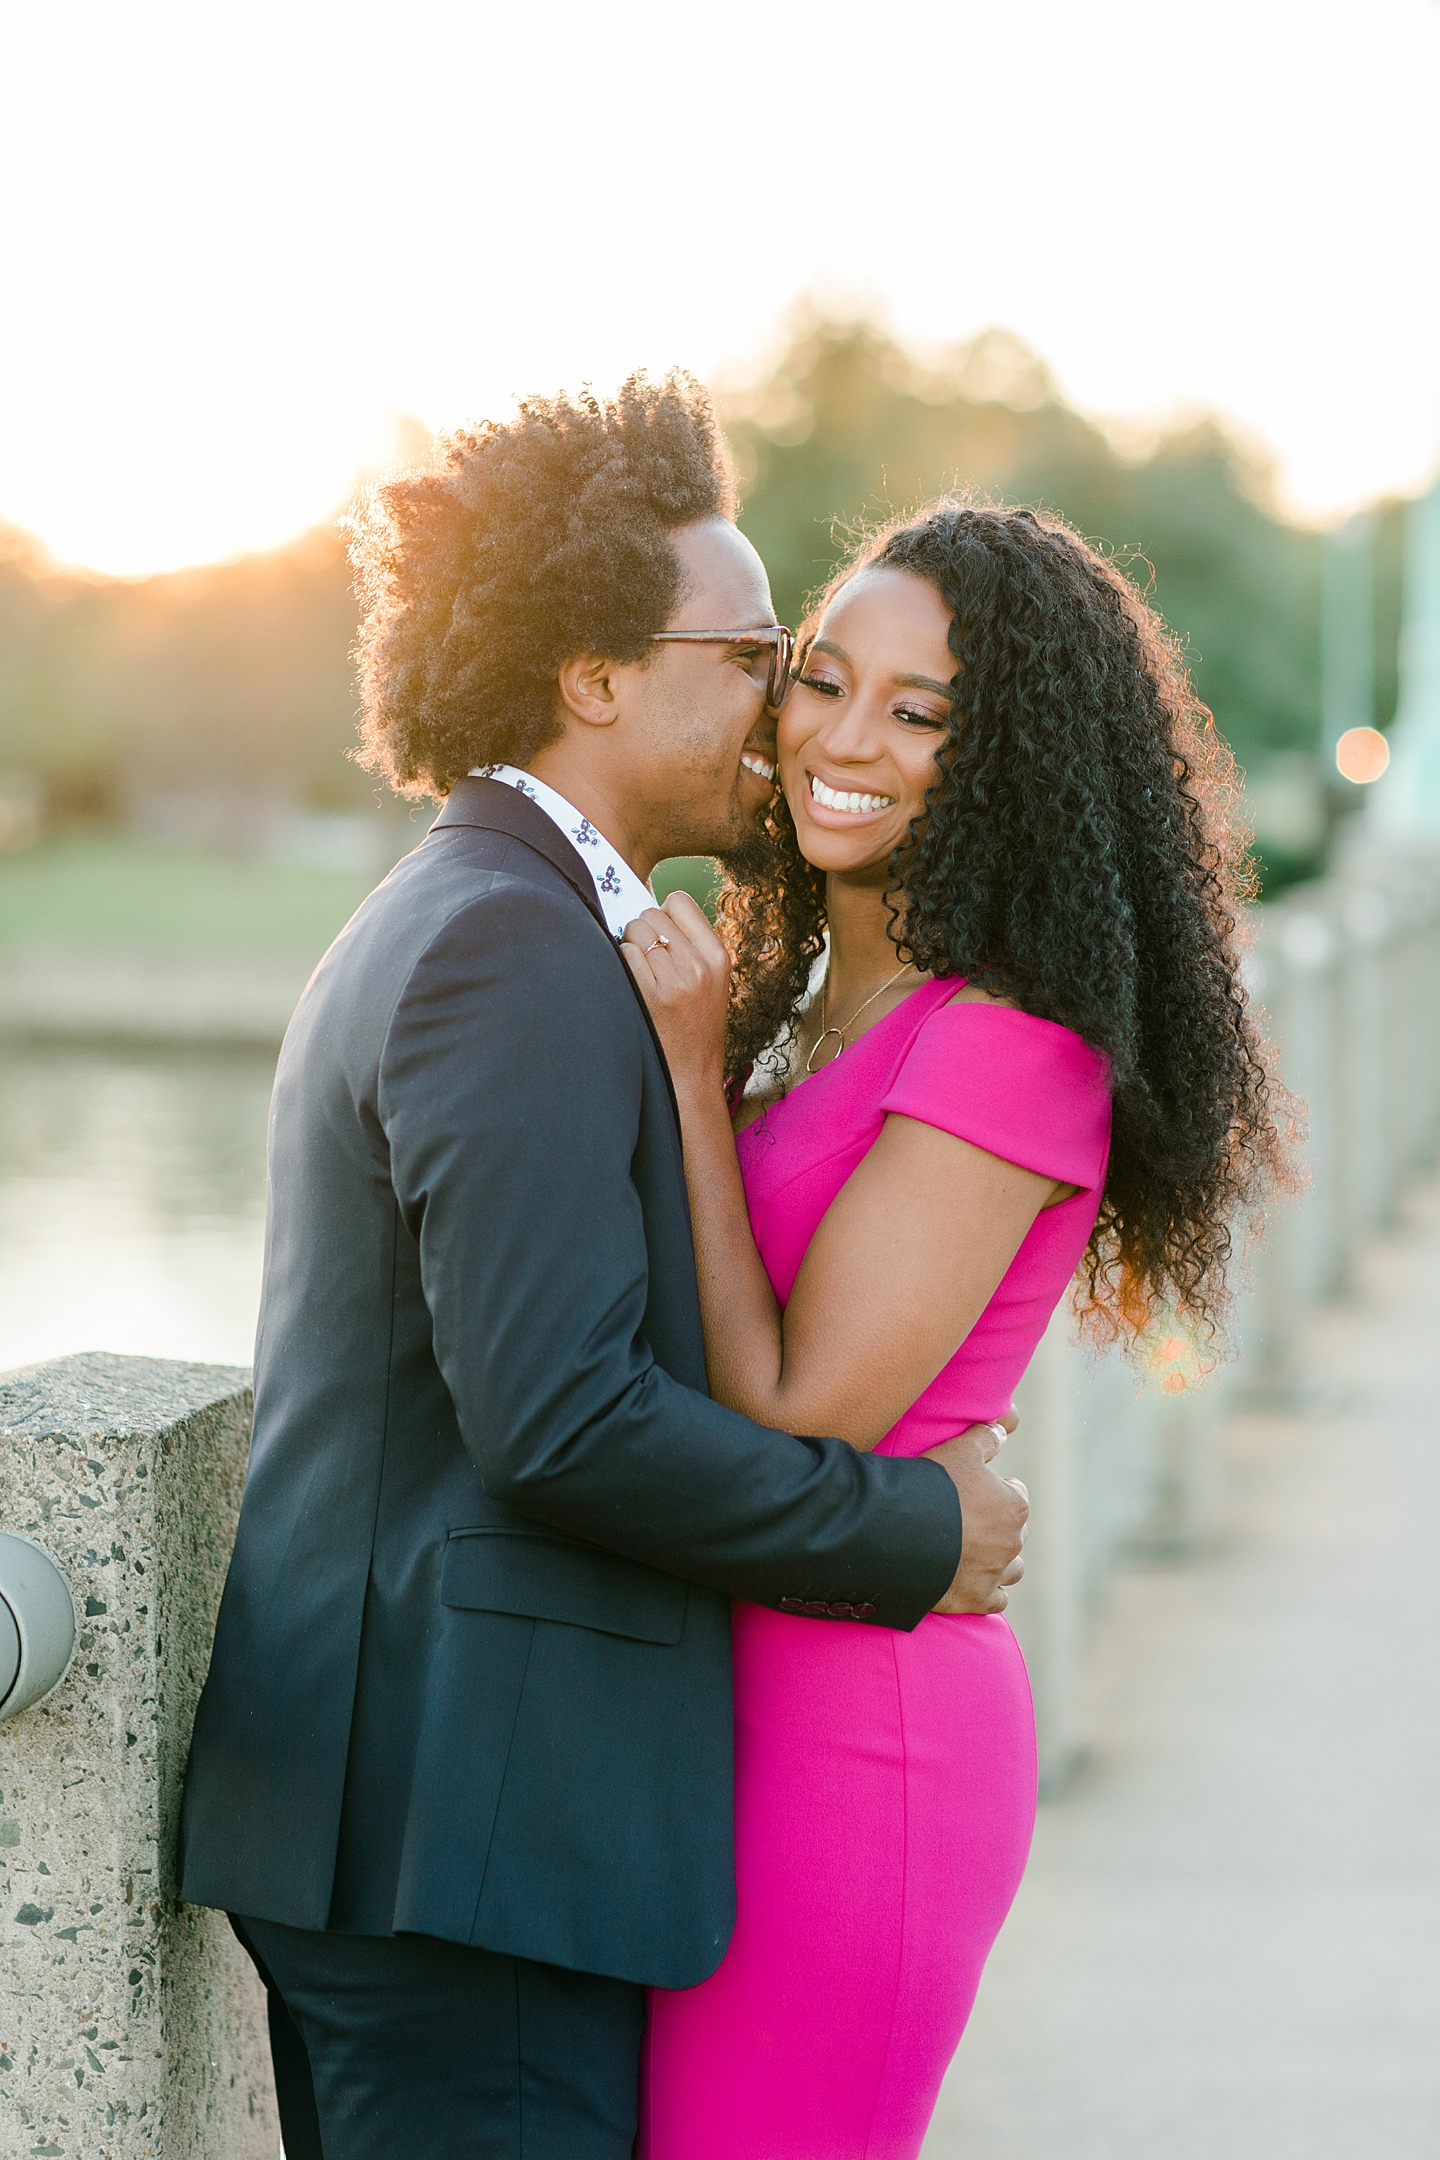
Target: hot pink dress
(884,1782)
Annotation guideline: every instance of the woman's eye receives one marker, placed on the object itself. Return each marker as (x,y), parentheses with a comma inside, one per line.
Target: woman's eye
(919,719)
(821,683)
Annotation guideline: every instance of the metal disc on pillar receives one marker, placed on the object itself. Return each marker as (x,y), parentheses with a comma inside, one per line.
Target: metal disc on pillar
(37,1623)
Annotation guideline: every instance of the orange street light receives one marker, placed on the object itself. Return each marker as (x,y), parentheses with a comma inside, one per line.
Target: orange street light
(1362,754)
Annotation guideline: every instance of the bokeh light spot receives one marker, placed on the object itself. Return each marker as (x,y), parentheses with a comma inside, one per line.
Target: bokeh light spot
(1362,754)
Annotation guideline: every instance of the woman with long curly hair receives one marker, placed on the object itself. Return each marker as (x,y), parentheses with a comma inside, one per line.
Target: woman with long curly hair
(1005,821)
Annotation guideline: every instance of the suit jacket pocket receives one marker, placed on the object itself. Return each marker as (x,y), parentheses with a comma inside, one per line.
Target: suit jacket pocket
(548,1578)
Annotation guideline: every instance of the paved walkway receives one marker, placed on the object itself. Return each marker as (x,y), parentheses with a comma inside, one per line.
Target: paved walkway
(1228,1943)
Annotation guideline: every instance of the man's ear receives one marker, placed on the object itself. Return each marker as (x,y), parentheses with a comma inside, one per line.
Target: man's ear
(587,690)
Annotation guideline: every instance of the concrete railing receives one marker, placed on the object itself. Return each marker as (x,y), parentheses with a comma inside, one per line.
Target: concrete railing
(131,2026)
(1348,969)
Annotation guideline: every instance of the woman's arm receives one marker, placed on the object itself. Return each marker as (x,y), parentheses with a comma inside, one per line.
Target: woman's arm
(904,1262)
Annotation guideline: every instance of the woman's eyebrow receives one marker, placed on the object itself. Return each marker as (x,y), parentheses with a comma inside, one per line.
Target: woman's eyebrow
(903,682)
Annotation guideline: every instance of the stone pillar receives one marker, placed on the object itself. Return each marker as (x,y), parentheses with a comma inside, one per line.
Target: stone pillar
(131,2026)
(1047,1608)
(1185,1463)
(1297,976)
(1364,1078)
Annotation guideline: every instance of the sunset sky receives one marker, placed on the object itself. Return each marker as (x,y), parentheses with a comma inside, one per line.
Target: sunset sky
(240,243)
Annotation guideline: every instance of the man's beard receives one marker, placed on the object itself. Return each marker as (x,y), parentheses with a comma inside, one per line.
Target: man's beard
(749,856)
(740,840)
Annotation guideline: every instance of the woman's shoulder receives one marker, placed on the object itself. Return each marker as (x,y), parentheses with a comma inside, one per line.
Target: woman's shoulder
(1028,1089)
(972,1019)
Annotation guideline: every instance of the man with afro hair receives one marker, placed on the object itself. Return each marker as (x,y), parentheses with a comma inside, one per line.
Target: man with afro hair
(462,1766)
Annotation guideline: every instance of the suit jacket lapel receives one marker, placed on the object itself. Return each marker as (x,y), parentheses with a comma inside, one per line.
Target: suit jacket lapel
(497,808)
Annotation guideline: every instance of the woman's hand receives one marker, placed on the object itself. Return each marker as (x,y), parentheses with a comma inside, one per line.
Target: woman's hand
(684,974)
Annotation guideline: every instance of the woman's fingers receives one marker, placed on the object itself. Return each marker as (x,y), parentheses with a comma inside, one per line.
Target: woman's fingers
(657,931)
(680,947)
(641,969)
(690,918)
(684,977)
(650,930)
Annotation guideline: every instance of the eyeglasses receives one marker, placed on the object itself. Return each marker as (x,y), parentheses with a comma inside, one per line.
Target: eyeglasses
(780,641)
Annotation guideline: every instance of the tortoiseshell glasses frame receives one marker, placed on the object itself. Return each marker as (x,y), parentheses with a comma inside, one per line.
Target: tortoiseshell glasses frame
(780,640)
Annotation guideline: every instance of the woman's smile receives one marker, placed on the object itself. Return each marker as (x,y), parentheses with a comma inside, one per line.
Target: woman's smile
(848,803)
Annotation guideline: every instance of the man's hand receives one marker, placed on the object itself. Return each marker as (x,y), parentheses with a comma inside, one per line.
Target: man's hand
(993,1511)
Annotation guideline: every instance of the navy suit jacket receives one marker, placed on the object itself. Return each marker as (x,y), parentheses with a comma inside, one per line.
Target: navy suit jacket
(471,1675)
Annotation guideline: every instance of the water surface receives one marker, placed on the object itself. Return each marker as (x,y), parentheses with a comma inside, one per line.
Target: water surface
(132,1199)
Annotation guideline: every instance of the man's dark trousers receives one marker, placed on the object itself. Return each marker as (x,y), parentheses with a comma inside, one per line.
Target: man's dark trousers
(388,2047)
(471,1685)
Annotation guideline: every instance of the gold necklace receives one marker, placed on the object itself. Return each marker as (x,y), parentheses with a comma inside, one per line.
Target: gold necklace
(841,1032)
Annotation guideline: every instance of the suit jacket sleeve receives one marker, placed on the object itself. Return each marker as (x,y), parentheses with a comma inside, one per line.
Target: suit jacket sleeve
(510,1094)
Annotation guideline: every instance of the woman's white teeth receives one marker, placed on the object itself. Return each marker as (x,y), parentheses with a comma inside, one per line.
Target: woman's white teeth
(831,799)
(753,762)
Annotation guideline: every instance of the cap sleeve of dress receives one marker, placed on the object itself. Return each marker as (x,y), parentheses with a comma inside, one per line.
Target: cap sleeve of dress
(1025,1089)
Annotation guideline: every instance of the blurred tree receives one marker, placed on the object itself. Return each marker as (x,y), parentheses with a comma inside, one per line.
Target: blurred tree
(47,728)
(232,679)
(850,429)
(236,678)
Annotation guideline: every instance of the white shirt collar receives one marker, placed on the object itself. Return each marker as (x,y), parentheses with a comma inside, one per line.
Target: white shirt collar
(621,894)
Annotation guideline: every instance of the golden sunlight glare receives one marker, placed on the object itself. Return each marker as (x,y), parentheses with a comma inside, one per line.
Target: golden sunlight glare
(239,244)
